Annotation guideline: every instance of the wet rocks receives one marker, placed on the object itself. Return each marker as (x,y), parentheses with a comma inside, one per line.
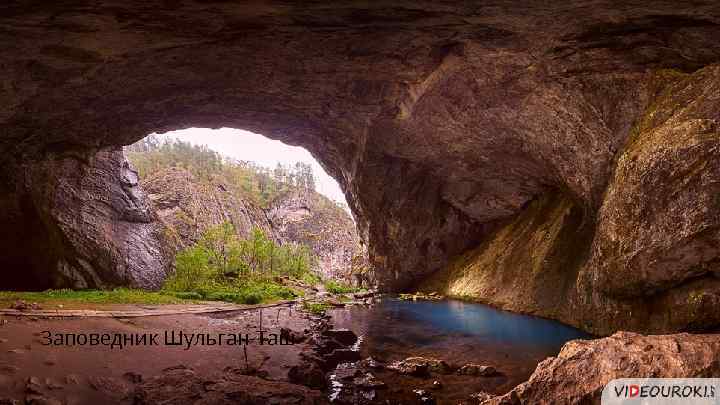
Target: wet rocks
(420,296)
(309,374)
(350,383)
(368,381)
(290,335)
(413,368)
(363,295)
(477,370)
(338,356)
(421,366)
(425,397)
(371,363)
(343,336)
(480,397)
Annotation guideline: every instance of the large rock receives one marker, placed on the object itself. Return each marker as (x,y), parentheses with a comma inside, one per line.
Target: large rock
(659,225)
(648,260)
(582,369)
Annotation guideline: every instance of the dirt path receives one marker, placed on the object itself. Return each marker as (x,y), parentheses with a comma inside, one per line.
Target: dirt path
(101,374)
(138,310)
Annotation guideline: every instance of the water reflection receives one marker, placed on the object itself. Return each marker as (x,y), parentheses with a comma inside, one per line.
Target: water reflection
(458,332)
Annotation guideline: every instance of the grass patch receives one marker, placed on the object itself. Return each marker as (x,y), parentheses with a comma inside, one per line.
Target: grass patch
(336,287)
(116,296)
(317,308)
(243,292)
(310,278)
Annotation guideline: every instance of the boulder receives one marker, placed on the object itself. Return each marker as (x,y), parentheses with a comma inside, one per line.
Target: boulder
(477,370)
(583,367)
(343,336)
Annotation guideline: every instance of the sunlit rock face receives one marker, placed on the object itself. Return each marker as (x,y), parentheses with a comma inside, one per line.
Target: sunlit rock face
(565,379)
(188,206)
(443,122)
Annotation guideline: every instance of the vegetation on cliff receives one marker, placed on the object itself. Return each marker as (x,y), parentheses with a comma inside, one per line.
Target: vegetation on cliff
(257,183)
(193,189)
(224,267)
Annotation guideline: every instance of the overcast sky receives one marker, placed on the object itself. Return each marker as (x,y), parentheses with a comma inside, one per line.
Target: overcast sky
(245,145)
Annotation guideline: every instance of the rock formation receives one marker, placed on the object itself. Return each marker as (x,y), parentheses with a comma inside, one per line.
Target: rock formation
(582,369)
(80,220)
(308,218)
(187,206)
(648,259)
(587,130)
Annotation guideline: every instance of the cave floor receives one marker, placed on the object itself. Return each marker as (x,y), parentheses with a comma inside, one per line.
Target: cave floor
(91,374)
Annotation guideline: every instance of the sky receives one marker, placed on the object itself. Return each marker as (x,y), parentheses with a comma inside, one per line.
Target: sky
(246,145)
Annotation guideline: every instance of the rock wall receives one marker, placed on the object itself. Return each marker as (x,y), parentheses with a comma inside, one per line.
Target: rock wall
(648,259)
(187,206)
(80,221)
(308,218)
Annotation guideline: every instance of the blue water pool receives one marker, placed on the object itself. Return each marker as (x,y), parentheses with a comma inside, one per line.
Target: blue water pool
(458,332)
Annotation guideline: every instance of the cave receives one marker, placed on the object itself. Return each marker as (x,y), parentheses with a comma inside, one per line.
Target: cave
(555,159)
(445,124)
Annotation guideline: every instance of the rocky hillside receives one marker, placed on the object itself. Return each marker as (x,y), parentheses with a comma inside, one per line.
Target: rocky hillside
(311,219)
(187,206)
(194,190)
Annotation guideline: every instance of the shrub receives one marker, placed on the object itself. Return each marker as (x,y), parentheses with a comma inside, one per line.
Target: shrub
(317,308)
(222,267)
(336,287)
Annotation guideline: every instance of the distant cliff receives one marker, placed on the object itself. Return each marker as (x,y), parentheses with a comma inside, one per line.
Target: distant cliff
(191,189)
(309,218)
